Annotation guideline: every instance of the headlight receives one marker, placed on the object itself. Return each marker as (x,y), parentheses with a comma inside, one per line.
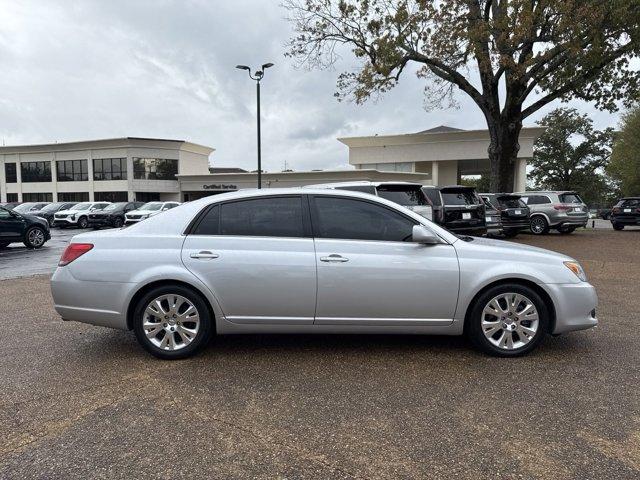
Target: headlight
(577,269)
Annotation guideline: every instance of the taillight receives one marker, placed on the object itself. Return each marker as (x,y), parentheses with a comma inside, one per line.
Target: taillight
(563,208)
(616,210)
(73,251)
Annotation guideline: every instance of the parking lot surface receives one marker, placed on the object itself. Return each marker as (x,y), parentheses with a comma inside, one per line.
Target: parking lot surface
(87,402)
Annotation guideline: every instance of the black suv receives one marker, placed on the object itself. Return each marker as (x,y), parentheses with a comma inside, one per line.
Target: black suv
(514,213)
(112,215)
(457,208)
(625,213)
(22,227)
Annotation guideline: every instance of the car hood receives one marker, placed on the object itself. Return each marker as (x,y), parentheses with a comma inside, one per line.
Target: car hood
(142,212)
(68,212)
(503,251)
(35,218)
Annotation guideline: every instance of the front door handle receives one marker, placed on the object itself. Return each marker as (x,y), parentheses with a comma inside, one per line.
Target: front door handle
(334,258)
(204,254)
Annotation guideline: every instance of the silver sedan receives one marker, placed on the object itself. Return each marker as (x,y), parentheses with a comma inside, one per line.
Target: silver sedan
(315,261)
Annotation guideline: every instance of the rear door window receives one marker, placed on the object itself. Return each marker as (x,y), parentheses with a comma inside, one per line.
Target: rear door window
(263,217)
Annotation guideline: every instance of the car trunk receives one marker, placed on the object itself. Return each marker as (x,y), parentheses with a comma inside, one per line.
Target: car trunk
(462,208)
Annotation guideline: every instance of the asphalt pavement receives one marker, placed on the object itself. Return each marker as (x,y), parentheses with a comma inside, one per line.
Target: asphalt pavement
(86,402)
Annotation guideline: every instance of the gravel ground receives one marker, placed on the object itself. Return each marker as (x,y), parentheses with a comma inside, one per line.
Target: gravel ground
(86,402)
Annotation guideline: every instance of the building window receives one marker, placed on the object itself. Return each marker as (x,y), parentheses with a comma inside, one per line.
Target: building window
(155,168)
(73,196)
(110,169)
(35,172)
(12,197)
(10,173)
(37,197)
(110,196)
(72,171)
(147,197)
(406,167)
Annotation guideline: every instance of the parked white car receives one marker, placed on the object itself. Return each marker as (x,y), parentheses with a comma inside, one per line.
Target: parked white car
(78,215)
(315,261)
(149,209)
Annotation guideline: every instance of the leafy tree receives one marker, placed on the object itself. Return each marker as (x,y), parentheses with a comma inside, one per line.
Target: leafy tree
(625,158)
(572,155)
(481,184)
(511,57)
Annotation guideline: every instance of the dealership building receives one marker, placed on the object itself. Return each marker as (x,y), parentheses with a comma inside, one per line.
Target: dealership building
(146,169)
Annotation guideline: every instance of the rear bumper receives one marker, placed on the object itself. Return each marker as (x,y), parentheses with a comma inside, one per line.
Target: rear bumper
(625,220)
(519,224)
(575,305)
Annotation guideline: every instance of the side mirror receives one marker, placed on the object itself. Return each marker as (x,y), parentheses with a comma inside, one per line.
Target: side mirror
(421,234)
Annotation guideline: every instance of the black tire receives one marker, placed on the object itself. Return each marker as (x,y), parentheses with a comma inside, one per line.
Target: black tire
(117,223)
(35,237)
(201,339)
(473,326)
(617,226)
(567,230)
(539,225)
(4,245)
(511,233)
(83,222)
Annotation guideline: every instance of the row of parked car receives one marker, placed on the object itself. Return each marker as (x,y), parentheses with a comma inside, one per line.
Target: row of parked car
(31,222)
(461,209)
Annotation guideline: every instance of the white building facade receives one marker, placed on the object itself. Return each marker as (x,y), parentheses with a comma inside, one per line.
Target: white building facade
(119,169)
(443,153)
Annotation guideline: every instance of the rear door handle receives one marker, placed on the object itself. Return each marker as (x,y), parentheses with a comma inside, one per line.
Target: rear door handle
(334,258)
(204,254)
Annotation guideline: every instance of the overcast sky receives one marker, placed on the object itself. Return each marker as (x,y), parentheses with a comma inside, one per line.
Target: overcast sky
(74,70)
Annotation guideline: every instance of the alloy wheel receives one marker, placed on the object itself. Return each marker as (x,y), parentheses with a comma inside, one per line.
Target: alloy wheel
(510,321)
(171,322)
(538,225)
(35,237)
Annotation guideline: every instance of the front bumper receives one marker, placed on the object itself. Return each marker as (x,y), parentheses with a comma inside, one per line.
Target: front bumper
(64,221)
(575,305)
(100,222)
(131,221)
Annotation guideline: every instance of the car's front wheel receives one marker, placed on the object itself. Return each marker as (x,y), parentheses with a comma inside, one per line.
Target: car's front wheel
(507,320)
(35,237)
(567,230)
(539,225)
(83,222)
(117,223)
(172,322)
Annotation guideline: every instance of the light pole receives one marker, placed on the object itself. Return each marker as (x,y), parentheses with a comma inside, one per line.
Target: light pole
(257,77)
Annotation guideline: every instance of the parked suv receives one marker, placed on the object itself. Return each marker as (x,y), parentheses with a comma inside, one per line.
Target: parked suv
(626,213)
(514,213)
(22,227)
(407,194)
(78,215)
(457,208)
(30,207)
(564,211)
(147,210)
(112,215)
(50,210)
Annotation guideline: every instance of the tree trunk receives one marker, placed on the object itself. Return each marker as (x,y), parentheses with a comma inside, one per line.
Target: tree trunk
(503,152)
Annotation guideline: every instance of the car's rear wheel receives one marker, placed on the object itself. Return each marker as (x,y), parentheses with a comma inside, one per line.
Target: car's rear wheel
(510,233)
(539,225)
(507,320)
(617,226)
(117,223)
(83,222)
(172,322)
(35,237)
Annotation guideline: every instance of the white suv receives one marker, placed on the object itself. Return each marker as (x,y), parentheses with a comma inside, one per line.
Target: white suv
(148,210)
(78,215)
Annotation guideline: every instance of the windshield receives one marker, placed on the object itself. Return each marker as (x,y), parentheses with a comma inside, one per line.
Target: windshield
(113,206)
(51,207)
(570,198)
(462,197)
(81,206)
(151,206)
(403,195)
(24,207)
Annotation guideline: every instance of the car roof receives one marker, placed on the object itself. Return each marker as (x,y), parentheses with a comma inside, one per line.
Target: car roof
(555,192)
(360,183)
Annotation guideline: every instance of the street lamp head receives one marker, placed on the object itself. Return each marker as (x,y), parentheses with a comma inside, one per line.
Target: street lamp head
(242,67)
(267,65)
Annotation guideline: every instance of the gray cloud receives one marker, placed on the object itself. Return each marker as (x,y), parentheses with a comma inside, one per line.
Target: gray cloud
(93,69)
